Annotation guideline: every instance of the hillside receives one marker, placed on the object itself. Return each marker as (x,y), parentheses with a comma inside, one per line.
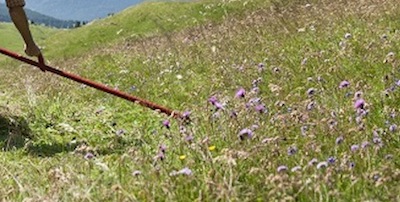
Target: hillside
(37,18)
(11,39)
(291,100)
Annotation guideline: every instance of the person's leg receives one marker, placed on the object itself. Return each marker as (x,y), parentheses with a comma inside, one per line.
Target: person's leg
(20,21)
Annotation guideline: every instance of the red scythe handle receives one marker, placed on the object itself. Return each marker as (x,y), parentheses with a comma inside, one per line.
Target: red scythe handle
(90,83)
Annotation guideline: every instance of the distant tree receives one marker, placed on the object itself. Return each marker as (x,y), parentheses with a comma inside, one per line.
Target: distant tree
(77,24)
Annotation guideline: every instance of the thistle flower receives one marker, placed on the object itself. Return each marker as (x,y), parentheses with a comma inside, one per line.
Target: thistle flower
(233,114)
(162,148)
(240,93)
(160,156)
(296,168)
(218,106)
(377,140)
(358,94)
(166,124)
(310,105)
(282,169)
(89,155)
(189,138)
(339,140)
(389,156)
(120,132)
(260,108)
(311,91)
(365,144)
(331,160)
(313,162)
(322,164)
(352,165)
(136,173)
(354,147)
(261,67)
(359,104)
(186,114)
(347,36)
(393,128)
(245,132)
(344,84)
(292,150)
(185,171)
(304,130)
(212,100)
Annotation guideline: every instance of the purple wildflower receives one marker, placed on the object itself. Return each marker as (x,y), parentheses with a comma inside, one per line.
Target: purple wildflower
(331,160)
(393,128)
(304,130)
(213,100)
(255,90)
(377,140)
(365,144)
(347,36)
(189,138)
(358,94)
(260,108)
(240,93)
(261,65)
(166,124)
(186,114)
(311,91)
(162,148)
(245,132)
(313,162)
(352,165)
(310,105)
(359,104)
(136,173)
(255,82)
(296,168)
(120,132)
(160,156)
(339,140)
(218,106)
(282,169)
(322,164)
(234,114)
(354,147)
(389,156)
(292,150)
(185,171)
(344,84)
(89,155)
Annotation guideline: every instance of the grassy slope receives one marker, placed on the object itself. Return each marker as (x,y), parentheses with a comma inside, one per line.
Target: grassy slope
(11,39)
(299,47)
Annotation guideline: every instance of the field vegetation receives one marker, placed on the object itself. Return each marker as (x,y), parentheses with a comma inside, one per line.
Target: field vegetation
(288,100)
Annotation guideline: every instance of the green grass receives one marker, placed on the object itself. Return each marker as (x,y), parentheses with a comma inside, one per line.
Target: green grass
(49,124)
(11,39)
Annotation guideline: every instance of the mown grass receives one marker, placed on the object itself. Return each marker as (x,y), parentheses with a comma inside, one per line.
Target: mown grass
(290,58)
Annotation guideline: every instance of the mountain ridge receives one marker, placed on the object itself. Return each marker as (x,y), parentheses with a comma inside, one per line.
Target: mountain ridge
(79,10)
(38,18)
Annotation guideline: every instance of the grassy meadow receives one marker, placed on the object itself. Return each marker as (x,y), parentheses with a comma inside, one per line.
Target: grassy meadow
(289,101)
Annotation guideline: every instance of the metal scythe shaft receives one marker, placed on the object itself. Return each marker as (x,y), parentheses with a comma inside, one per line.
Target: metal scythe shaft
(93,84)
